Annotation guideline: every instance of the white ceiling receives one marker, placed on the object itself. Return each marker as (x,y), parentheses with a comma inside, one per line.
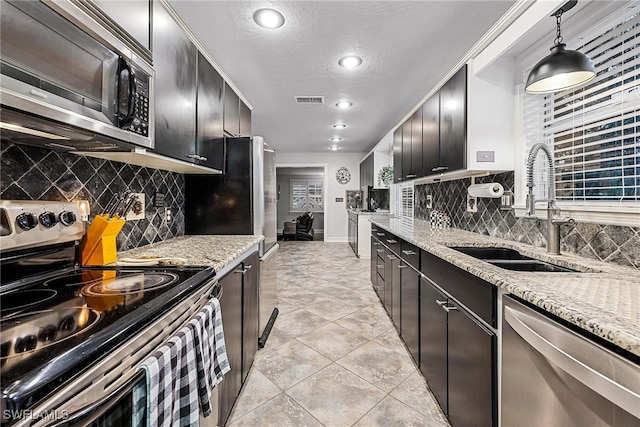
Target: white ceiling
(406,47)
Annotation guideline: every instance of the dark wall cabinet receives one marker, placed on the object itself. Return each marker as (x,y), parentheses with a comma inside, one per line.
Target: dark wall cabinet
(239,305)
(237,116)
(453,123)
(175,62)
(367,172)
(434,139)
(397,156)
(209,135)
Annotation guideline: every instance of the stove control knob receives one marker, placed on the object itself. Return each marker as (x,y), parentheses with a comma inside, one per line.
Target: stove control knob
(26,220)
(67,218)
(48,219)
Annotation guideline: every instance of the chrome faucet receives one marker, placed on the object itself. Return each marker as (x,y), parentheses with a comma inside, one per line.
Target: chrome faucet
(554,219)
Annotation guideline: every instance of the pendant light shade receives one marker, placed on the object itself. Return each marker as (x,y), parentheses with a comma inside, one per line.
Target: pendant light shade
(561,69)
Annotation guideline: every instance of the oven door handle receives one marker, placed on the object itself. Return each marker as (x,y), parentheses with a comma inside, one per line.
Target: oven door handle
(92,412)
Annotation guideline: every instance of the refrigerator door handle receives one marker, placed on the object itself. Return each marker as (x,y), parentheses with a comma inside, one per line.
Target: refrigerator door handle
(594,380)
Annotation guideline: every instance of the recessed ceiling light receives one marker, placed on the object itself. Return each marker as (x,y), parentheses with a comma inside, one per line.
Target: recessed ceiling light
(334,148)
(336,139)
(350,61)
(268,18)
(339,126)
(344,104)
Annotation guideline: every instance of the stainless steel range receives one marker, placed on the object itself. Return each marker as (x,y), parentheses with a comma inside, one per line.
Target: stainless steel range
(72,337)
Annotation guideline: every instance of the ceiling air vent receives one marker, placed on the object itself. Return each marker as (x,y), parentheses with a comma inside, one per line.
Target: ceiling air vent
(310,99)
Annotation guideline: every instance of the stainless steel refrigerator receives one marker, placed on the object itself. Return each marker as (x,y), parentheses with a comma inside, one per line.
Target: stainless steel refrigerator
(241,201)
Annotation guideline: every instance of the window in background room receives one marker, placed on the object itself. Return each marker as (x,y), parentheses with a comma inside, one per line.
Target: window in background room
(594,131)
(307,195)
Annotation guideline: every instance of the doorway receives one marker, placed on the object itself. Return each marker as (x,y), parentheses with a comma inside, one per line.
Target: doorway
(300,190)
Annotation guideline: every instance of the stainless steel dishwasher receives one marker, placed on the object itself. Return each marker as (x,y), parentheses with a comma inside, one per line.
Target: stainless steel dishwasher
(553,376)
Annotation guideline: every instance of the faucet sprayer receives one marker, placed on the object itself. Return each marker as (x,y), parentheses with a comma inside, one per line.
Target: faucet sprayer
(554,220)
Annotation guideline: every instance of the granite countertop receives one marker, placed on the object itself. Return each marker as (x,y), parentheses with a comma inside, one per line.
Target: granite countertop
(601,298)
(361,212)
(215,251)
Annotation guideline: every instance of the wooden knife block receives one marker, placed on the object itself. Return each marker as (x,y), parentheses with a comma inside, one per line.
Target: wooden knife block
(98,247)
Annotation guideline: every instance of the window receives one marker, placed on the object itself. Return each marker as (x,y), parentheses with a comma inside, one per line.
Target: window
(306,195)
(594,131)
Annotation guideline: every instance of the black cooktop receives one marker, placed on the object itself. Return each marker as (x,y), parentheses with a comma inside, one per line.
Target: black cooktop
(55,326)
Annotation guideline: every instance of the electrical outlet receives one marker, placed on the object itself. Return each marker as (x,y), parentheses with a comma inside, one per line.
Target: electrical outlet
(472,203)
(137,210)
(429,201)
(168,215)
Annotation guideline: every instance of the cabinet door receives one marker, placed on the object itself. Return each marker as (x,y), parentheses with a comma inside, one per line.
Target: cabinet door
(174,61)
(407,171)
(374,262)
(433,341)
(410,309)
(416,144)
(250,312)
(231,111)
(245,120)
(134,16)
(210,136)
(397,156)
(453,122)
(395,292)
(231,307)
(388,279)
(472,369)
(431,134)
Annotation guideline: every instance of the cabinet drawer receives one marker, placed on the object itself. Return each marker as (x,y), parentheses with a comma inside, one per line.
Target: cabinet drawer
(411,254)
(379,234)
(474,293)
(392,242)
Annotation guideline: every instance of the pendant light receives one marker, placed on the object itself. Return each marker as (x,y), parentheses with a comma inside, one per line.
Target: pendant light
(561,69)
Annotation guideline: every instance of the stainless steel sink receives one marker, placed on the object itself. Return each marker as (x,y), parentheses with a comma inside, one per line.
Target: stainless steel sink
(510,259)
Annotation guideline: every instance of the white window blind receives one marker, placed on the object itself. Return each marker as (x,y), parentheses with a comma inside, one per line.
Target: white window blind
(594,130)
(306,195)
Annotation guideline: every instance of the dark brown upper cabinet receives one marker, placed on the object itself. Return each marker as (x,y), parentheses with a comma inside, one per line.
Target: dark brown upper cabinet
(175,63)
(453,123)
(397,156)
(416,145)
(406,151)
(231,111)
(431,134)
(209,134)
(245,120)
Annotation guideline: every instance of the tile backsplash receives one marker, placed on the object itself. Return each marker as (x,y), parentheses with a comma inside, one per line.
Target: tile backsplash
(610,243)
(33,173)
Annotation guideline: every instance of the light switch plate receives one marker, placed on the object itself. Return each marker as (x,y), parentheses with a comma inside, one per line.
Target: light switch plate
(472,203)
(486,156)
(137,210)
(429,201)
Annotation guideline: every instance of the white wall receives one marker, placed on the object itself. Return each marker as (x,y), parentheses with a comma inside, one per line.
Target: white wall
(335,218)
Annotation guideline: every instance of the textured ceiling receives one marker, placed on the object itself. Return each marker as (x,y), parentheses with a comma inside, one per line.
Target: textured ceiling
(406,47)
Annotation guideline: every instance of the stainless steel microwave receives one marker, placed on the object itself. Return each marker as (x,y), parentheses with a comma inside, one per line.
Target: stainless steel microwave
(59,66)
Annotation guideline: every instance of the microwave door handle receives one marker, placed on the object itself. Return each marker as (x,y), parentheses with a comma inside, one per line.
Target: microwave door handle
(131,93)
(90,413)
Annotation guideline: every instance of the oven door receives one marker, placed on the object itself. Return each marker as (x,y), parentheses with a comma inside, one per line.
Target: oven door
(53,68)
(126,406)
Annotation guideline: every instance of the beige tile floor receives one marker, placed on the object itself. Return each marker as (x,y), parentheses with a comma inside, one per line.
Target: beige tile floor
(333,357)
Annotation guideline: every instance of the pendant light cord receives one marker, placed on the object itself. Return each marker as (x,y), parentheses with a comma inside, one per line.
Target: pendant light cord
(558,39)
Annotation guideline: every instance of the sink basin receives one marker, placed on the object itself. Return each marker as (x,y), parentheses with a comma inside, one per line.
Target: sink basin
(510,259)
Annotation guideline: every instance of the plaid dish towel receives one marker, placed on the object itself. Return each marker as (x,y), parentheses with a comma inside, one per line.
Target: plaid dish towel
(172,390)
(211,352)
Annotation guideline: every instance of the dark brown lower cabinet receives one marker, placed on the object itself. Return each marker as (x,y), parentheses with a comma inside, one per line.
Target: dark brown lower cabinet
(471,371)
(395,291)
(433,341)
(388,258)
(458,359)
(231,307)
(410,309)
(250,312)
